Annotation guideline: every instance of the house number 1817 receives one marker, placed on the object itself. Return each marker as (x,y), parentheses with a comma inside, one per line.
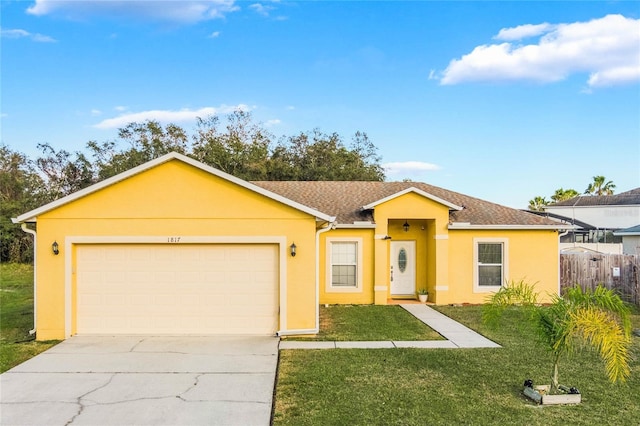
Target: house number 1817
(173,239)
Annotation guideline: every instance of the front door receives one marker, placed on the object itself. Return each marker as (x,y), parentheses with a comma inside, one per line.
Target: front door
(403,268)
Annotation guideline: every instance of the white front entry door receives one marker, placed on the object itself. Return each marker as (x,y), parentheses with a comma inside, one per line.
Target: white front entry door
(403,268)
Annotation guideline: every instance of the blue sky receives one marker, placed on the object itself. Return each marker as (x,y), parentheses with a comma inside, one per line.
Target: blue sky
(498,100)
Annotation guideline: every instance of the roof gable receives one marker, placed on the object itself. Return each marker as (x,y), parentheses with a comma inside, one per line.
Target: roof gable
(415,191)
(33,214)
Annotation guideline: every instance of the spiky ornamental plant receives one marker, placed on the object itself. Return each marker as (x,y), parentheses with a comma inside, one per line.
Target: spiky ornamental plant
(597,318)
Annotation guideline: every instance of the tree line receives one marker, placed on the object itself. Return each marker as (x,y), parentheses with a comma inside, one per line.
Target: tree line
(235,144)
(599,186)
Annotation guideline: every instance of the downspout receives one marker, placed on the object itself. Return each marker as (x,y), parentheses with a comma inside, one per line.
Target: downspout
(560,259)
(35,277)
(331,225)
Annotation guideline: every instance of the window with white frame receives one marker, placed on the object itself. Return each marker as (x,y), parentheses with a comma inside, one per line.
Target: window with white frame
(490,263)
(345,265)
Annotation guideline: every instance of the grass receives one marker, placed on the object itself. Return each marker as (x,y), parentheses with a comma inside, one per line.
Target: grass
(369,322)
(16,316)
(449,386)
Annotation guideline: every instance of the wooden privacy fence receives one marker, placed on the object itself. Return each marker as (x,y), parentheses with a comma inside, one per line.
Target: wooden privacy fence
(615,271)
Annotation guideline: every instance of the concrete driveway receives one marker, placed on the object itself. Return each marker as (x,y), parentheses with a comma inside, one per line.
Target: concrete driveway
(126,380)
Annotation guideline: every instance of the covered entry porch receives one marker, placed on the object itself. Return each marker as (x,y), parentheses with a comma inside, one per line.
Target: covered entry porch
(411,246)
(410,256)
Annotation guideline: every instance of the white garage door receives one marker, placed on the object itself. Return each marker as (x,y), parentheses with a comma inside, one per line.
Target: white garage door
(177,289)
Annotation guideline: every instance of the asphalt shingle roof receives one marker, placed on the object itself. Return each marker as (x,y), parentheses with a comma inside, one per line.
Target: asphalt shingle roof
(345,200)
(627,198)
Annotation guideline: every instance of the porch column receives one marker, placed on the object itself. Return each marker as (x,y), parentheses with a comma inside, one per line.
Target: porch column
(442,294)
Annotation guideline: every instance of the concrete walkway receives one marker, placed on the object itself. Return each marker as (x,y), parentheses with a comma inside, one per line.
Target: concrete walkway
(457,335)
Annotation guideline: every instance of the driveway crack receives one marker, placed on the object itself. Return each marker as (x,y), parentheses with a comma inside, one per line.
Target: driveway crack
(196,381)
(80,402)
(133,348)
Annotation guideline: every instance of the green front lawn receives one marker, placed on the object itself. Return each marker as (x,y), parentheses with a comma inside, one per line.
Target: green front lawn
(448,386)
(369,322)
(16,316)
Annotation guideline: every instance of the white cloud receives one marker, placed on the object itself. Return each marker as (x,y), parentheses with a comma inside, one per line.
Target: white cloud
(187,11)
(121,108)
(271,123)
(605,48)
(18,33)
(260,9)
(615,75)
(96,112)
(265,9)
(405,168)
(214,34)
(523,31)
(166,116)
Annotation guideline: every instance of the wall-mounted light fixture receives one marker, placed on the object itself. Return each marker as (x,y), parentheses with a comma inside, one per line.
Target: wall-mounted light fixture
(55,248)
(293,248)
(405,226)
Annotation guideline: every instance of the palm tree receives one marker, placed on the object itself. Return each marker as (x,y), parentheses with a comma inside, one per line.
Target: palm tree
(600,187)
(597,318)
(563,194)
(537,204)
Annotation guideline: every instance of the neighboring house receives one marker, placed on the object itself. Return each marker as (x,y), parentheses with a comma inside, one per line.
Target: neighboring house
(602,214)
(177,247)
(580,232)
(630,239)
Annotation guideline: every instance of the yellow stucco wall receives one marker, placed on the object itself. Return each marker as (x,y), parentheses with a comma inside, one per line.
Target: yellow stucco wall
(532,256)
(173,199)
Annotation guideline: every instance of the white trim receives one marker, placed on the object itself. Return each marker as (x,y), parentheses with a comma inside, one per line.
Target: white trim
(35,276)
(329,288)
(162,239)
(416,191)
(441,237)
(296,332)
(69,242)
(380,288)
(31,215)
(455,226)
(505,263)
(442,288)
(356,225)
